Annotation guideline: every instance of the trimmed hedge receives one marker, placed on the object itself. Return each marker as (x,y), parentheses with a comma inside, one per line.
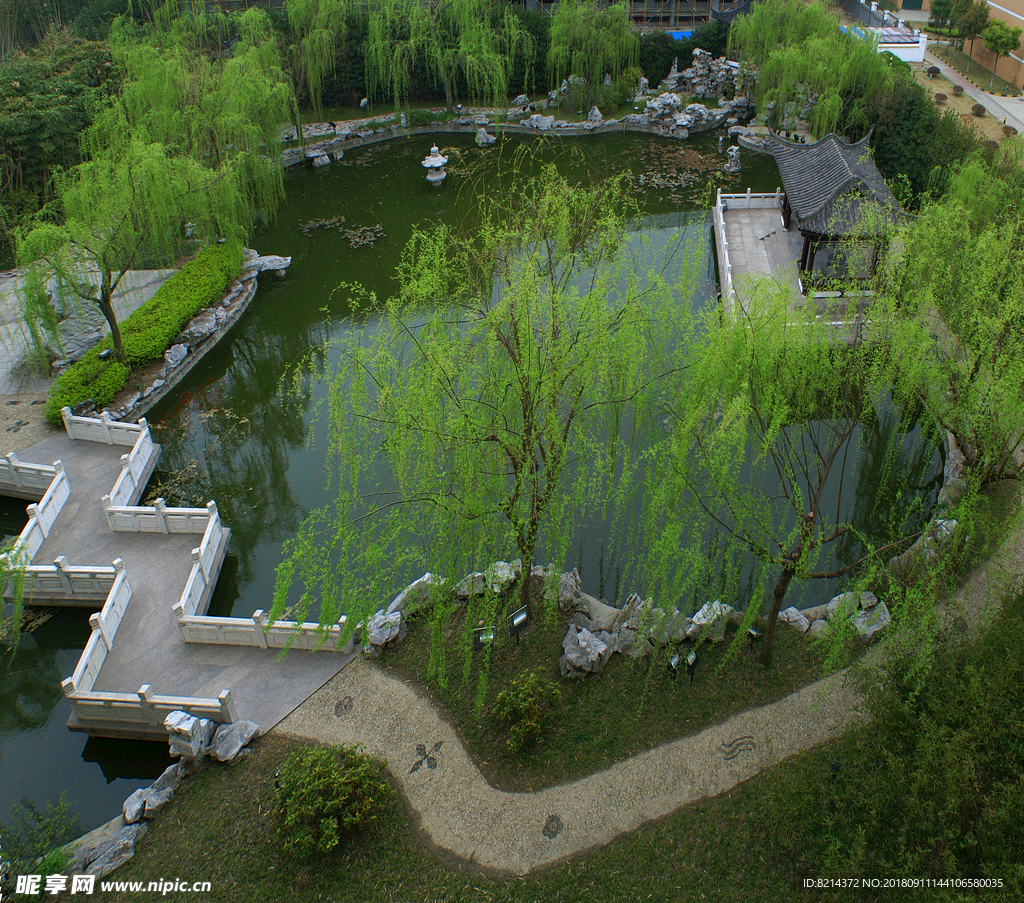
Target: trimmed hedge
(147,332)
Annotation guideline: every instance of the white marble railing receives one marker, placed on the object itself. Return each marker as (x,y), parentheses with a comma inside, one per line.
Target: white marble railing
(723,202)
(133,468)
(61,581)
(157,518)
(202,572)
(255,632)
(102,429)
(41,518)
(34,479)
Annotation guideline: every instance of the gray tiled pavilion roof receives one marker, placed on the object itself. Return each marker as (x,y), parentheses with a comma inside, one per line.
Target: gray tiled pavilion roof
(727,15)
(832,184)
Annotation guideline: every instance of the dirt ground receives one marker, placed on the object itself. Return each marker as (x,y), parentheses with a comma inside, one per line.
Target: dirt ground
(987,126)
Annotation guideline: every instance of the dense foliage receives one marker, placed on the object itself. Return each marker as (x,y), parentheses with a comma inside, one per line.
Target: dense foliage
(325,794)
(148,331)
(525,708)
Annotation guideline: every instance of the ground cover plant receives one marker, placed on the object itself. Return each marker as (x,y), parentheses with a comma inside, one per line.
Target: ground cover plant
(148,331)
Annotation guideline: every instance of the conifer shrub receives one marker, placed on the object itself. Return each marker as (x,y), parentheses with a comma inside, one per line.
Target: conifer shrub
(146,333)
(325,793)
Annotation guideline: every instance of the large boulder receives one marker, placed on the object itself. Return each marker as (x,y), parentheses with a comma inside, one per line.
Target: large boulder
(539,122)
(602,616)
(710,621)
(474,584)
(663,106)
(383,628)
(567,590)
(417,591)
(871,621)
(846,603)
(115,851)
(188,736)
(594,115)
(230,739)
(483,139)
(583,653)
(501,575)
(795,619)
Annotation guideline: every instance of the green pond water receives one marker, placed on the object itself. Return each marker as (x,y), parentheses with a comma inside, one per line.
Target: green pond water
(228,434)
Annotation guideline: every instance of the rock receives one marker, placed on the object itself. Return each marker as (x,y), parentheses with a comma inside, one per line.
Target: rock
(338,155)
(815,612)
(602,616)
(156,800)
(662,106)
(483,139)
(230,738)
(175,355)
(624,640)
(188,736)
(133,807)
(711,620)
(500,576)
(364,103)
(607,80)
(594,115)
(170,779)
(417,591)
(383,628)
(817,628)
(582,621)
(641,647)
(539,122)
(474,584)
(584,653)
(116,851)
(403,121)
(321,160)
(568,590)
(521,101)
(734,160)
(872,621)
(201,326)
(258,263)
(794,618)
(667,626)
(845,603)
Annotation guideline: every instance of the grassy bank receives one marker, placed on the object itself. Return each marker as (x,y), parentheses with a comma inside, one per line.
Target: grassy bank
(633,705)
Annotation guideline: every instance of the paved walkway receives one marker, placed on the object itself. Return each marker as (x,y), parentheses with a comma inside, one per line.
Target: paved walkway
(517,833)
(148,648)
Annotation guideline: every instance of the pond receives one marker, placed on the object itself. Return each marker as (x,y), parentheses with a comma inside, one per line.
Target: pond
(229,434)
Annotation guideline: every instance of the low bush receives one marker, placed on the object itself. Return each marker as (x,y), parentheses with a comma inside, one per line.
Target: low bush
(958,90)
(1009,131)
(978,110)
(324,793)
(147,332)
(940,98)
(526,708)
(33,840)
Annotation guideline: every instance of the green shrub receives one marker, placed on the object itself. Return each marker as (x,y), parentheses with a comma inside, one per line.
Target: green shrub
(324,793)
(32,840)
(526,708)
(147,332)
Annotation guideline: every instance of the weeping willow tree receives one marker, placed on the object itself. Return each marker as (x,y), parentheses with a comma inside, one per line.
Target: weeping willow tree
(128,209)
(188,141)
(805,62)
(319,28)
(769,417)
(224,112)
(484,413)
(961,290)
(471,42)
(590,40)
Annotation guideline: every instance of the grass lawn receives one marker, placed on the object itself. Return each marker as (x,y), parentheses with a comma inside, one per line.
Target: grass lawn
(631,706)
(977,73)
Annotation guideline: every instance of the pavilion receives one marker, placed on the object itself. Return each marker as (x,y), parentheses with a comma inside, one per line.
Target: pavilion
(840,204)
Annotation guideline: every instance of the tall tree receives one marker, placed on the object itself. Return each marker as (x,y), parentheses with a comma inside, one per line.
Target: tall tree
(483,412)
(940,12)
(972,24)
(590,40)
(763,427)
(319,28)
(124,210)
(1002,40)
(475,42)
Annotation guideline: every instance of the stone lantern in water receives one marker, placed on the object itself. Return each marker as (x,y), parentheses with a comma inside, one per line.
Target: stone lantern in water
(435,166)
